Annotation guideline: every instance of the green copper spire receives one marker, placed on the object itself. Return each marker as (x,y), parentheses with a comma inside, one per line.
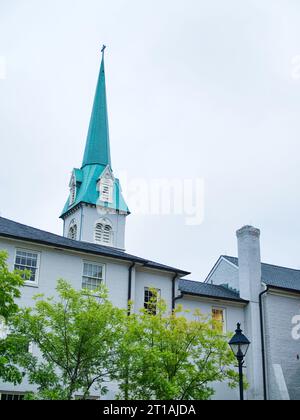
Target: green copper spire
(97,150)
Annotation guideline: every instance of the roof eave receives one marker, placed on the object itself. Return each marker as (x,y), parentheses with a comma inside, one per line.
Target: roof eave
(237,300)
(284,289)
(77,205)
(132,259)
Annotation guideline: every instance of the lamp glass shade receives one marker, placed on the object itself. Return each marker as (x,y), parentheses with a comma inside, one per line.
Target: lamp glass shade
(239,343)
(239,349)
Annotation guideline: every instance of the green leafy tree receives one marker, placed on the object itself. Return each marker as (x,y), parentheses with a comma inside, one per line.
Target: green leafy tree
(13,347)
(166,356)
(10,285)
(76,334)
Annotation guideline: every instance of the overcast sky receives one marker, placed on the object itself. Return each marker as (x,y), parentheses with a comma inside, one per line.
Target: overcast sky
(196,89)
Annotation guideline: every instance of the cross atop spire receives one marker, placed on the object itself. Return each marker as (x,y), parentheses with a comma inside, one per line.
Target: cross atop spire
(97,150)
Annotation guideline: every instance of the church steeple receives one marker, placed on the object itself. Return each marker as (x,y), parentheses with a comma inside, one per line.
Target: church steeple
(97,149)
(96,210)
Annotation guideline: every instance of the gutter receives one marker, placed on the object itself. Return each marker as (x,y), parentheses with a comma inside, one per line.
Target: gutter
(214,297)
(263,351)
(183,294)
(284,289)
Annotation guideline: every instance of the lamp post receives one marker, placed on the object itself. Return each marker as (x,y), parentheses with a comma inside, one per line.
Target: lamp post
(239,345)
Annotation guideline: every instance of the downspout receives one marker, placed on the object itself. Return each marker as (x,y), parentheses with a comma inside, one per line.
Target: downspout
(129,286)
(173,290)
(128,314)
(263,351)
(181,296)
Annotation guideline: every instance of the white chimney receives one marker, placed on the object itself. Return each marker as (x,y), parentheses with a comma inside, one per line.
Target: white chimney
(250,287)
(249,263)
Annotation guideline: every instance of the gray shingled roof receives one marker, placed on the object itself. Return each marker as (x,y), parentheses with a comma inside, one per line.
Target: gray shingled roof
(276,276)
(197,288)
(15,230)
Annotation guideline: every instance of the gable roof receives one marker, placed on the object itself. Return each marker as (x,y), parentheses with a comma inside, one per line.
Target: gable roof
(196,288)
(275,276)
(14,230)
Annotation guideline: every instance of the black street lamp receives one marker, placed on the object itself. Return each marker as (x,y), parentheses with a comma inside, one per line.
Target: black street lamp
(239,345)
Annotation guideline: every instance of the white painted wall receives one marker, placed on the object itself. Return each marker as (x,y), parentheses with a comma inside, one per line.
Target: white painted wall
(225,273)
(282,348)
(55,264)
(86,218)
(152,279)
(233,314)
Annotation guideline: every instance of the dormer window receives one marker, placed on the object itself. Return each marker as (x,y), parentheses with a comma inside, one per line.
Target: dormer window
(106,186)
(104,232)
(72,190)
(72,234)
(106,190)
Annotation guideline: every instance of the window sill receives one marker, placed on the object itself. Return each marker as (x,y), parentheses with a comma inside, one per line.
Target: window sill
(34,285)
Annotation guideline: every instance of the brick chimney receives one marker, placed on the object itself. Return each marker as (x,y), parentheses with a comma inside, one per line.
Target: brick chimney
(250,287)
(249,263)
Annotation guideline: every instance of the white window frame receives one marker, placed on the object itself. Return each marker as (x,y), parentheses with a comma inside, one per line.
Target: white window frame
(219,308)
(148,289)
(103,266)
(30,283)
(89,398)
(13,394)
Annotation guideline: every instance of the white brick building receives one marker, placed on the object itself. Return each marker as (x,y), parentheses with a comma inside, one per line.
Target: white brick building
(263,298)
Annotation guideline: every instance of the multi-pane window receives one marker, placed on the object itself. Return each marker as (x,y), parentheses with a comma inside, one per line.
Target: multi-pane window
(27,260)
(92,276)
(89,398)
(218,317)
(151,297)
(104,233)
(11,397)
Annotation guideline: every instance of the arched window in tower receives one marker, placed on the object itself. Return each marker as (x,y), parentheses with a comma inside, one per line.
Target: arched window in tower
(104,232)
(72,190)
(72,234)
